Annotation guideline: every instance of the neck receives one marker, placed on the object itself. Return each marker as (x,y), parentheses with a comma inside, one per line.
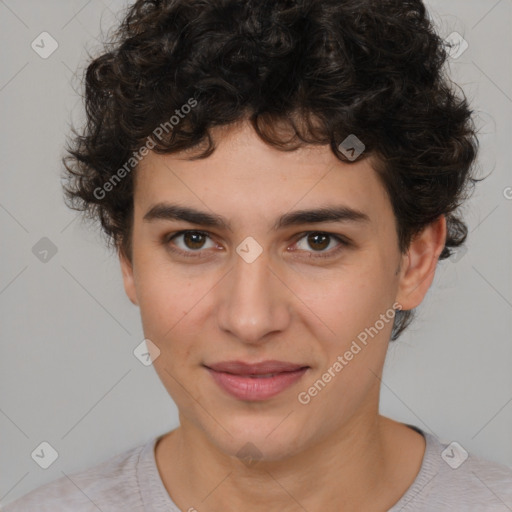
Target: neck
(356,468)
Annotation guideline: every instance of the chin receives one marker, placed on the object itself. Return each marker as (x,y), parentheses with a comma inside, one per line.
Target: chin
(258,439)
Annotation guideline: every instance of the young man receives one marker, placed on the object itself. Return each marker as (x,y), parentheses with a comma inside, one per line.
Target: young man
(280,180)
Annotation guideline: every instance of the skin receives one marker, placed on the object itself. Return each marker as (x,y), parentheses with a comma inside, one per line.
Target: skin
(336,452)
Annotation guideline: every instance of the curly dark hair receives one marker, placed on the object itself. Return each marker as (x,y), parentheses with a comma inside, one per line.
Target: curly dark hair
(324,69)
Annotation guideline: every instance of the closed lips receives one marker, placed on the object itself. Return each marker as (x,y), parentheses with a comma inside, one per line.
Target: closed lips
(255,381)
(256,370)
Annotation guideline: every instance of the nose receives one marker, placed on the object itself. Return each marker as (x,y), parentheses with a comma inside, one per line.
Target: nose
(254,302)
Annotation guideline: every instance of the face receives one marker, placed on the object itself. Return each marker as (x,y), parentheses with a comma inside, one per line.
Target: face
(252,281)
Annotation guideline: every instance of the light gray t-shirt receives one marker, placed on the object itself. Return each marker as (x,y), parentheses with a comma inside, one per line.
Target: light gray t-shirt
(131,482)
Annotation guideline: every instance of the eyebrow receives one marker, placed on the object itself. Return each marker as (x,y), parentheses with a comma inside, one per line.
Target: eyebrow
(167,211)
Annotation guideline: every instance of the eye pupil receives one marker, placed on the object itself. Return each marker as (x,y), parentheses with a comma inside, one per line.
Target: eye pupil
(194,238)
(313,239)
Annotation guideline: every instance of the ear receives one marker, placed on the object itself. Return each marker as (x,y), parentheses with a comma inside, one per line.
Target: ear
(128,279)
(419,264)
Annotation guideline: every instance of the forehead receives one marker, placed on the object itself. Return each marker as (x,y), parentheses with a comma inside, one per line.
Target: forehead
(244,174)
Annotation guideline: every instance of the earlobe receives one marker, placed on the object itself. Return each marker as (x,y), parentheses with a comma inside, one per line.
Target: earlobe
(419,265)
(128,279)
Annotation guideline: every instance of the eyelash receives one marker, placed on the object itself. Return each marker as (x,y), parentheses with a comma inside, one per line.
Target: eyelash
(197,254)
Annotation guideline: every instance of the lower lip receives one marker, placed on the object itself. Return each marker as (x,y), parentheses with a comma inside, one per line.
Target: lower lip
(248,388)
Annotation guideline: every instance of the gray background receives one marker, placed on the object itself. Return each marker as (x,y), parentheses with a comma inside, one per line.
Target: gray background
(68,375)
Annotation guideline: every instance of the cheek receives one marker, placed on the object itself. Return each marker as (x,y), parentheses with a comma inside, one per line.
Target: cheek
(164,301)
(346,301)
(173,308)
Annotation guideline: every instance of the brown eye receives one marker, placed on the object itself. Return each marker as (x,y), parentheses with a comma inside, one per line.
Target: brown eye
(320,242)
(194,240)
(188,243)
